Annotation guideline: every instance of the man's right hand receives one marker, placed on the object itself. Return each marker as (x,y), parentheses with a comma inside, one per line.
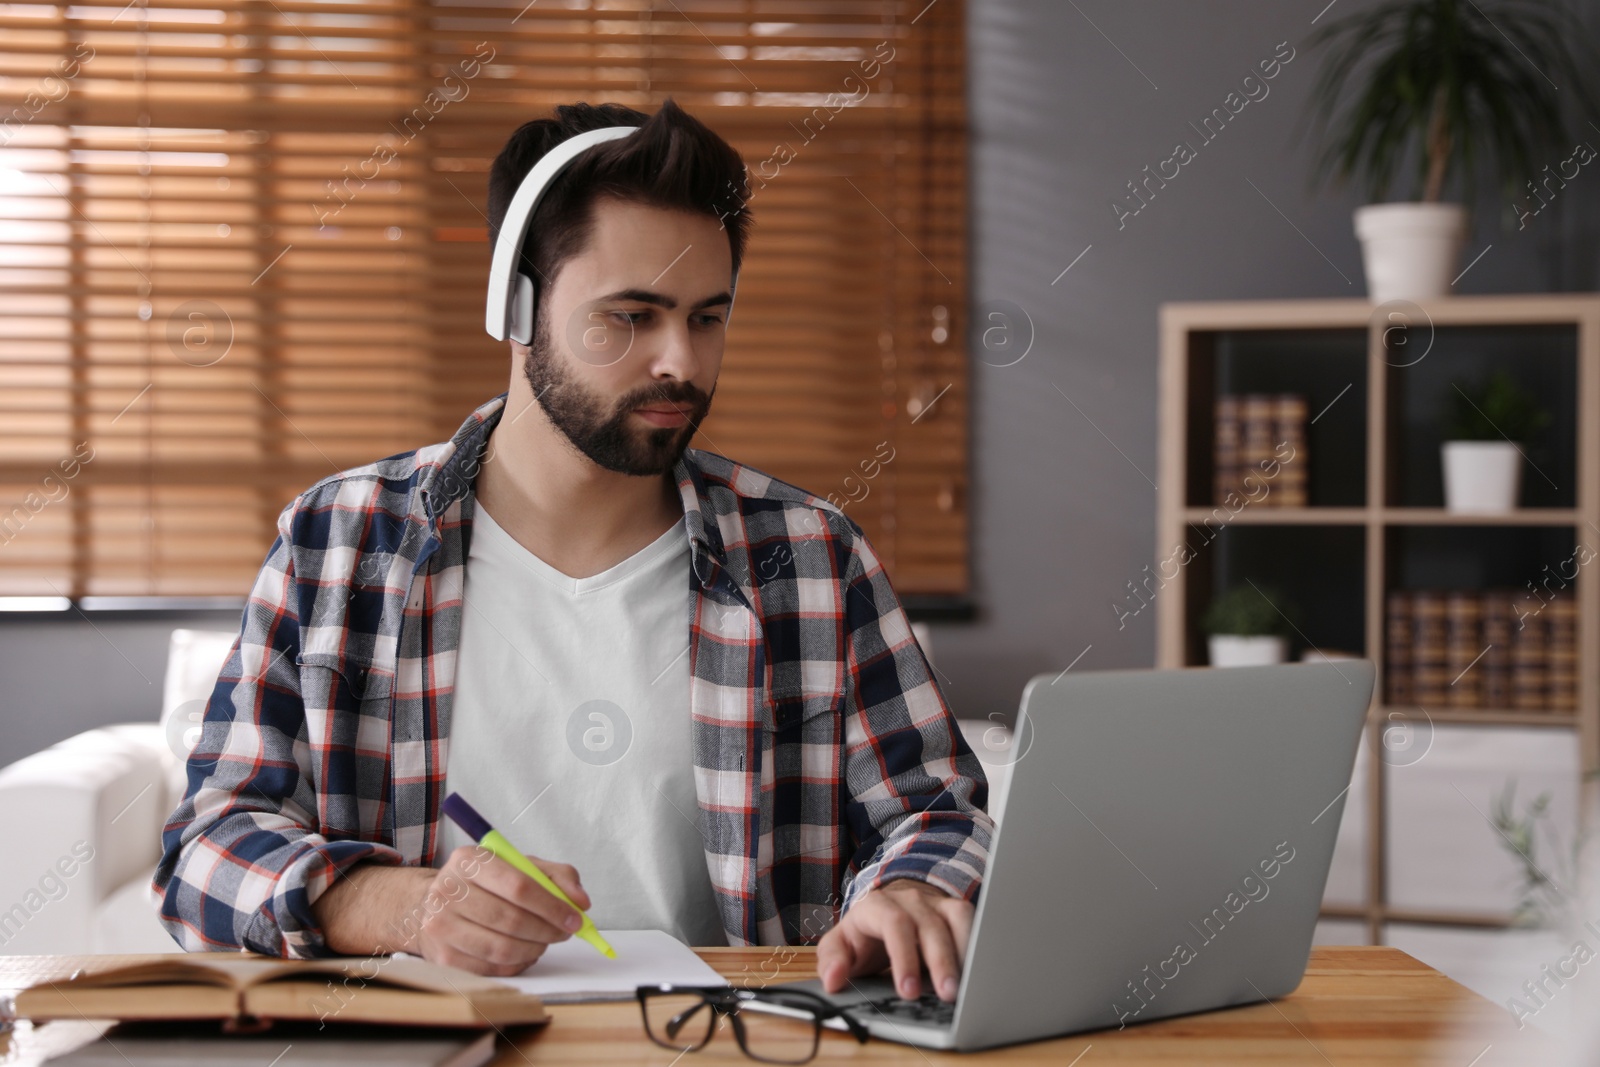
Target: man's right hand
(502,920)
(477,912)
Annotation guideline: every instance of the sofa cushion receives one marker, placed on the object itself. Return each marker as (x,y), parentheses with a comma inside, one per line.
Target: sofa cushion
(194,659)
(126,922)
(86,817)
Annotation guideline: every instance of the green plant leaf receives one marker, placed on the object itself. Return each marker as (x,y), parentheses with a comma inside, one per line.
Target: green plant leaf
(1496,410)
(1500,83)
(1246,611)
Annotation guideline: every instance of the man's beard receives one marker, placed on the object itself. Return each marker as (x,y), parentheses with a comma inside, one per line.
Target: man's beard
(606,437)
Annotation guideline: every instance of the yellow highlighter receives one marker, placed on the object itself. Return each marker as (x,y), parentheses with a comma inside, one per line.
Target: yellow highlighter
(477,827)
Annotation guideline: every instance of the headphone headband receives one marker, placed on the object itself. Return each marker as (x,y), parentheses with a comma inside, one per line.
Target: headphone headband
(509,310)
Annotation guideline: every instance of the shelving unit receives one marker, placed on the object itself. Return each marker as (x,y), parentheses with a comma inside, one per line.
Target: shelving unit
(1375,520)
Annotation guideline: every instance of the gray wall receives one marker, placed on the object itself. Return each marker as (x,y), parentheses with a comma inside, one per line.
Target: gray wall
(1063,509)
(62,675)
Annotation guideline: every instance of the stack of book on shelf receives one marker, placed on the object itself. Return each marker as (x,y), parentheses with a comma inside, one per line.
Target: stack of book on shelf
(1261,437)
(1489,648)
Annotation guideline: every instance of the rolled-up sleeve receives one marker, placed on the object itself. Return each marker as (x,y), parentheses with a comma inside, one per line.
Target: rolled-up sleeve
(243,858)
(916,790)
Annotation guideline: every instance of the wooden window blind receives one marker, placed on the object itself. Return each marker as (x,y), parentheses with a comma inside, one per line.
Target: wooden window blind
(242,246)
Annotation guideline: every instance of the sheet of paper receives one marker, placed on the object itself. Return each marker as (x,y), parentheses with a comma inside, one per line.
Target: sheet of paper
(573,971)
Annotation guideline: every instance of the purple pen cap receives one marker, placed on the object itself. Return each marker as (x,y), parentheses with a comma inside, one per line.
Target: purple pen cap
(462,814)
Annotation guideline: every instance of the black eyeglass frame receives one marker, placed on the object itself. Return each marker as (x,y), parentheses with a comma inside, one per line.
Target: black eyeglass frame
(725,1001)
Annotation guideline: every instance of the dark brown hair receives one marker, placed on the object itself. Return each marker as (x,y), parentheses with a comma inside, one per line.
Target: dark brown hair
(675,161)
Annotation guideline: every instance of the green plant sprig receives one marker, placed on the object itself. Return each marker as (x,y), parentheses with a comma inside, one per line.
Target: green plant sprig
(1245,612)
(1551,893)
(1444,85)
(1496,410)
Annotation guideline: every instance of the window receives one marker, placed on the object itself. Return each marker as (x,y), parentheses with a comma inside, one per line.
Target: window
(242,246)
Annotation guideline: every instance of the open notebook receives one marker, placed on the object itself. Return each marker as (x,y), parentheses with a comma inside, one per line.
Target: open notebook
(572,970)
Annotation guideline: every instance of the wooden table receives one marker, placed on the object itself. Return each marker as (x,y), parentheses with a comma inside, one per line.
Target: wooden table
(1359,1006)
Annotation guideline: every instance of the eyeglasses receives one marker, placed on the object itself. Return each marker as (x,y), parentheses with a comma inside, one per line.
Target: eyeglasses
(782,1025)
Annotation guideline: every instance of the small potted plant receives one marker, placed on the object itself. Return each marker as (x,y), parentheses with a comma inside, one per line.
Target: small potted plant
(1247,627)
(1426,90)
(1482,454)
(1544,901)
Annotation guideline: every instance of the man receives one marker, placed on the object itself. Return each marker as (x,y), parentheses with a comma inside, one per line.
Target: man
(676,673)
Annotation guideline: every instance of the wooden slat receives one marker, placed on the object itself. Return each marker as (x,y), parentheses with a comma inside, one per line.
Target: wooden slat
(195,115)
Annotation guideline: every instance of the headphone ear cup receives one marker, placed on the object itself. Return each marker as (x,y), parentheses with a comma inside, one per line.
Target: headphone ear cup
(522,310)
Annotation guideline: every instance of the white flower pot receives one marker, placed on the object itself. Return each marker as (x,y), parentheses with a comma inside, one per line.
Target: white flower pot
(1236,650)
(1481,476)
(1410,251)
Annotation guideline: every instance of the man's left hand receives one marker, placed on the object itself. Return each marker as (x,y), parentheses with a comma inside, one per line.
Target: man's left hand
(900,925)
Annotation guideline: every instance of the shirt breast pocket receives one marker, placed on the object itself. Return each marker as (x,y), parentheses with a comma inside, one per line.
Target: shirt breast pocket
(797,714)
(347,711)
(803,734)
(361,678)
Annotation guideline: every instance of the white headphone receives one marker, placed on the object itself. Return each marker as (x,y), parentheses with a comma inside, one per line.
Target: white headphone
(509,310)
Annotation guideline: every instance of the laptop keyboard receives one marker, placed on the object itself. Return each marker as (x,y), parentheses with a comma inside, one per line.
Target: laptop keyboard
(927,1009)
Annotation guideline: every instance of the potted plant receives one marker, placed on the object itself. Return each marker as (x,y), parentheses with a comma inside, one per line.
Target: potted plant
(1542,900)
(1482,454)
(1247,627)
(1418,93)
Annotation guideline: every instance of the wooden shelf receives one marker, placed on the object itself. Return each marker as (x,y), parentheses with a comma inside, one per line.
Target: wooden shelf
(1417,916)
(1517,309)
(1335,516)
(1520,517)
(1282,516)
(1482,716)
(1340,563)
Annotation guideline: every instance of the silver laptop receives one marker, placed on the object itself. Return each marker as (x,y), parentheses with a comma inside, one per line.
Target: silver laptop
(1163,850)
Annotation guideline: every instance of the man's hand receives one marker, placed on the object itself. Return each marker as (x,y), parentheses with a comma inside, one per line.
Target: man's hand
(901,925)
(477,912)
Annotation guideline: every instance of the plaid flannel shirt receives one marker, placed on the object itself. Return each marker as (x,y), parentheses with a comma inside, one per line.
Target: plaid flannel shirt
(826,760)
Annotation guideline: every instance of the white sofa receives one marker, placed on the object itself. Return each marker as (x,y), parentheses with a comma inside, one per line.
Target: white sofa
(83,818)
(83,821)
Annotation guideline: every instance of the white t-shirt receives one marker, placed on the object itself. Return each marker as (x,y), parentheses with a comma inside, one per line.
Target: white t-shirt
(570,730)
